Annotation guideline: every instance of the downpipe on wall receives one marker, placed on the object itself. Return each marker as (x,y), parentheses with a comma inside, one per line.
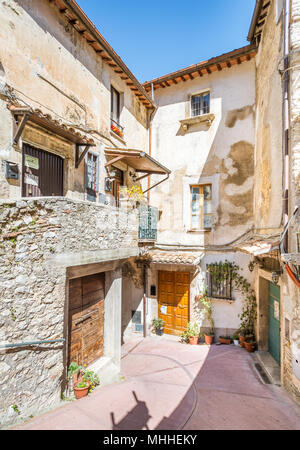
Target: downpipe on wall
(286,118)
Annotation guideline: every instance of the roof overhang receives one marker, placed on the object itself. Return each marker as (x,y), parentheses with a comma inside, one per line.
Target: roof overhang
(216,64)
(138,160)
(257,245)
(191,259)
(258,20)
(83,25)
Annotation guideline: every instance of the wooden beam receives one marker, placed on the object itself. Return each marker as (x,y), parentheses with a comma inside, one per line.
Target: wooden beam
(239,60)
(20,128)
(174,81)
(183,79)
(208,70)
(200,73)
(219,67)
(191,76)
(81,157)
(228,63)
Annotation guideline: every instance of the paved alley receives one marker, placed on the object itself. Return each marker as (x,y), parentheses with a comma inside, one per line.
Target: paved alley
(173,386)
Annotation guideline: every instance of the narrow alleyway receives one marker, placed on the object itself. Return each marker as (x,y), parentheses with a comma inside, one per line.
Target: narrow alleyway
(172,386)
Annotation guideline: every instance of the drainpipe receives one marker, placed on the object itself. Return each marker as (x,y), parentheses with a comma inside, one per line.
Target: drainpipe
(145,300)
(150,141)
(286,117)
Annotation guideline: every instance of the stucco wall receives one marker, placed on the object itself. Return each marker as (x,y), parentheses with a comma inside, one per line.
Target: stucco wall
(52,68)
(43,243)
(221,154)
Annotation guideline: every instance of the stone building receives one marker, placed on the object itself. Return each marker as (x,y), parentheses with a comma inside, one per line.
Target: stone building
(204,131)
(275,29)
(70,111)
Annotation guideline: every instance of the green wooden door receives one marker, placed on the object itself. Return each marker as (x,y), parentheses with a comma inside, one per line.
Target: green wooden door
(274,321)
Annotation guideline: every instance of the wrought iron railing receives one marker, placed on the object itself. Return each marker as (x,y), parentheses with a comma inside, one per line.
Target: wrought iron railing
(148,219)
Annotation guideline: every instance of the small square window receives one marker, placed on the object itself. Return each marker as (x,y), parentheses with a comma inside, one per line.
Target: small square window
(200,104)
(201,207)
(218,289)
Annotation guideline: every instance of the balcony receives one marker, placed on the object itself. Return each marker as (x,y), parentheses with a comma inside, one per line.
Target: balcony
(148,220)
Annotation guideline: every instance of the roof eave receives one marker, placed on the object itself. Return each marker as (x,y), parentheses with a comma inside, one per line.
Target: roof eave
(257,10)
(75,8)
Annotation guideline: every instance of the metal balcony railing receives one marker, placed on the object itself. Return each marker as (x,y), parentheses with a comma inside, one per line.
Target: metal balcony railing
(148,220)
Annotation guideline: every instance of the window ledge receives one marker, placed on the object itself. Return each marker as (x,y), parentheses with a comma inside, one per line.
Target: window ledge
(115,135)
(204,118)
(208,230)
(226,300)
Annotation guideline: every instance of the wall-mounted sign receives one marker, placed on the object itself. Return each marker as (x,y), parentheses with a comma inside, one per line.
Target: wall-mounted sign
(164,310)
(32,162)
(276,310)
(33,180)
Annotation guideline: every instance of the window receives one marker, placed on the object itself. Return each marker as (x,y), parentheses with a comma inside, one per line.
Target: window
(218,289)
(201,197)
(92,176)
(200,104)
(115,105)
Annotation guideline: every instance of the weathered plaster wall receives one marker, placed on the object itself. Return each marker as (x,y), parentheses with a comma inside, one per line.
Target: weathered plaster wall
(221,154)
(225,313)
(43,243)
(292,297)
(51,67)
(268,148)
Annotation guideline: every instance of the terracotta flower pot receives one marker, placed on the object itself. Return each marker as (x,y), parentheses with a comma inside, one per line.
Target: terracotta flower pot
(81,392)
(208,339)
(224,341)
(242,340)
(249,346)
(194,340)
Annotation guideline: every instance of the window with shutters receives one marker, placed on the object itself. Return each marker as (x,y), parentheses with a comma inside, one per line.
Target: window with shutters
(92,176)
(201,210)
(219,285)
(200,104)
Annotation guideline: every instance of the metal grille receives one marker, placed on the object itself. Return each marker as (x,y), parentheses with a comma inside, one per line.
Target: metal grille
(200,104)
(148,219)
(216,289)
(43,173)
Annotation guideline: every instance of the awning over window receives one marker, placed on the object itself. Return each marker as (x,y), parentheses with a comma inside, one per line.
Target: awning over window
(258,244)
(176,257)
(138,160)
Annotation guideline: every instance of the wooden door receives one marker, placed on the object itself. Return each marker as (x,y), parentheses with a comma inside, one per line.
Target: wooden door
(43,173)
(86,319)
(173,300)
(274,321)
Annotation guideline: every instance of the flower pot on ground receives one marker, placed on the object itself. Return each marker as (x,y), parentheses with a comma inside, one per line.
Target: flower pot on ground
(191,334)
(158,326)
(236,340)
(81,389)
(250,346)
(194,340)
(209,338)
(225,340)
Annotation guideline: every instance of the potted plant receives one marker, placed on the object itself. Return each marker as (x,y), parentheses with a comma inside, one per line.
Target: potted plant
(236,340)
(158,326)
(192,333)
(225,340)
(91,377)
(209,337)
(81,389)
(75,373)
(249,342)
(242,332)
(207,306)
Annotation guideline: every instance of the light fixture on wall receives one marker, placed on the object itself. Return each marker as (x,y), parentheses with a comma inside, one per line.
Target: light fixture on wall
(275,277)
(133,176)
(256,262)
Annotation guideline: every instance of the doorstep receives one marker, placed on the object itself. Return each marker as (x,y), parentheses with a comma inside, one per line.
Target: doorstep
(271,367)
(108,371)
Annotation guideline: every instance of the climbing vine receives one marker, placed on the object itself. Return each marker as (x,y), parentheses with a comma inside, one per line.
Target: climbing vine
(229,271)
(208,309)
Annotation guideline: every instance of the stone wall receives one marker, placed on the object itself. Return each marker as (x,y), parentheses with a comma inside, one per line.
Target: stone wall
(40,239)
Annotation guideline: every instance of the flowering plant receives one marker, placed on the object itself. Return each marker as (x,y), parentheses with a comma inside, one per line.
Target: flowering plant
(133,193)
(116,130)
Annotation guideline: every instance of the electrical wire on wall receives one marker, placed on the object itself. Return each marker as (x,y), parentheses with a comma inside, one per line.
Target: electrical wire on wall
(291,273)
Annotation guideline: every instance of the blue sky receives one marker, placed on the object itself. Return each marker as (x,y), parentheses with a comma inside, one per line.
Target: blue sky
(160,36)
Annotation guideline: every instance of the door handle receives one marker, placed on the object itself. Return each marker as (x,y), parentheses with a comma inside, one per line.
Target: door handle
(83,319)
